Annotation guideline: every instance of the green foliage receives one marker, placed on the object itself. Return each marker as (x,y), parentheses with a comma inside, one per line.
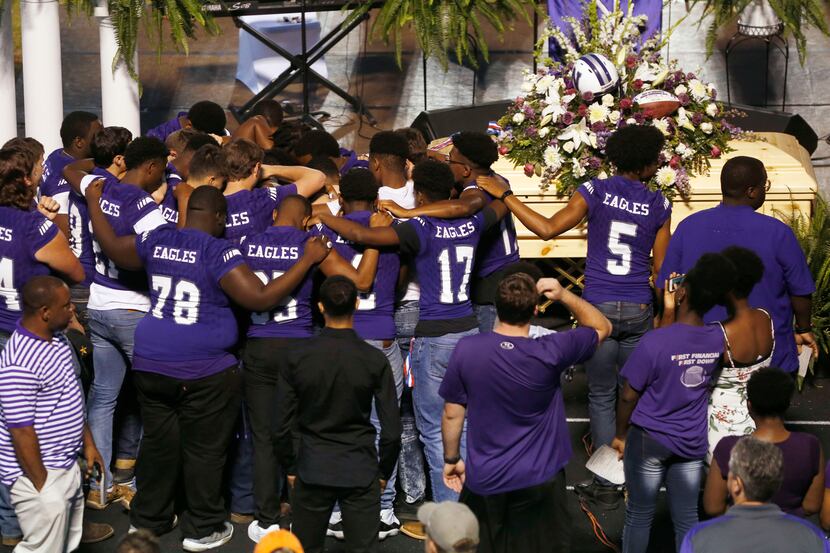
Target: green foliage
(813,234)
(796,15)
(443,26)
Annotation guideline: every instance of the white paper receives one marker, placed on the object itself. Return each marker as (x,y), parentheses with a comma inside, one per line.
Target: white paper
(804,360)
(605,464)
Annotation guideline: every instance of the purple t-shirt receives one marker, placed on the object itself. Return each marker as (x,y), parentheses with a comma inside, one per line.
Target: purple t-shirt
(167,128)
(785,269)
(352,161)
(374,318)
(191,328)
(124,205)
(498,247)
(444,253)
(252,211)
(672,369)
(623,219)
(80,233)
(802,462)
(22,234)
(52,183)
(517,436)
(270,254)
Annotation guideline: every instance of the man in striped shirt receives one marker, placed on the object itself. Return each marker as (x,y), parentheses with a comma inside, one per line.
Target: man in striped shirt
(43,428)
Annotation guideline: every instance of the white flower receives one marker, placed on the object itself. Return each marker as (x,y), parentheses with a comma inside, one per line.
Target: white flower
(569,147)
(544,83)
(597,112)
(681,89)
(712,110)
(578,168)
(614,116)
(543,132)
(527,86)
(666,176)
(607,100)
(699,90)
(680,149)
(631,121)
(553,159)
(602,175)
(683,119)
(580,134)
(662,125)
(707,127)
(519,118)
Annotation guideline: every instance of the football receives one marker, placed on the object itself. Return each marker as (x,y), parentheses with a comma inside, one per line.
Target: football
(657,103)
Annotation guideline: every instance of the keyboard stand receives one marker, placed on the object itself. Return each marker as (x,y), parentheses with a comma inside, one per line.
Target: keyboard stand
(301,68)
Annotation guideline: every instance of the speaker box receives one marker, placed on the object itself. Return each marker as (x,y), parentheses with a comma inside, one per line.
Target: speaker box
(765,120)
(438,123)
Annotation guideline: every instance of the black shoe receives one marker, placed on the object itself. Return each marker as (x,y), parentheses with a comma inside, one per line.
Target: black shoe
(607,497)
(407,511)
(336,531)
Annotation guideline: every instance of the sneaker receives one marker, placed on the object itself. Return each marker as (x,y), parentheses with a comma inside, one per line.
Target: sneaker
(257,532)
(173,524)
(389,524)
(607,497)
(119,493)
(216,539)
(336,531)
(95,532)
(11,541)
(414,529)
(241,518)
(124,472)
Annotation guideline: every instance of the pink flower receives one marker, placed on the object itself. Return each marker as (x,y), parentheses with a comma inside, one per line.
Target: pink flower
(567,118)
(529,169)
(583,109)
(715,152)
(626,103)
(588,96)
(519,100)
(503,150)
(674,162)
(637,84)
(630,62)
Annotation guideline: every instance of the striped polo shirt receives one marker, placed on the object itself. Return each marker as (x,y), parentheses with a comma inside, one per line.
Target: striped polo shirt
(38,387)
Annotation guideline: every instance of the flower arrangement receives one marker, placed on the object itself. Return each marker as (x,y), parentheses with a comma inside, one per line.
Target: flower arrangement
(559,134)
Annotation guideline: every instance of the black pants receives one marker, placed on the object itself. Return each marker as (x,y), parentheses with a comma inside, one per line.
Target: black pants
(187,428)
(311,506)
(261,361)
(531,519)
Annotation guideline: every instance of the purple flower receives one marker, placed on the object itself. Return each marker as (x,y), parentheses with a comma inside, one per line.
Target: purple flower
(588,96)
(690,76)
(639,117)
(714,94)
(598,126)
(567,118)
(669,83)
(684,99)
(594,163)
(697,118)
(531,132)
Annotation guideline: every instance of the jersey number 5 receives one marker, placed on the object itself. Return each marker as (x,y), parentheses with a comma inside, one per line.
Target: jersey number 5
(622,266)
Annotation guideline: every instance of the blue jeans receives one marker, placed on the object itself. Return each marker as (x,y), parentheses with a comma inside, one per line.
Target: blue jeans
(430,357)
(393,354)
(8,519)
(647,465)
(112,335)
(629,322)
(486,315)
(411,471)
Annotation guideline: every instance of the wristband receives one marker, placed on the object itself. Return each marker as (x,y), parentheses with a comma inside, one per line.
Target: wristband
(803,329)
(452,460)
(506,194)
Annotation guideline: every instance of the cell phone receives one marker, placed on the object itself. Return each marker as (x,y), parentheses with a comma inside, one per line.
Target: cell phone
(674,283)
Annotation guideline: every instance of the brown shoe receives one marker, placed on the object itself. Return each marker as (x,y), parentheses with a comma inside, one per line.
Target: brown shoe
(124,494)
(11,541)
(414,529)
(95,532)
(120,493)
(239,518)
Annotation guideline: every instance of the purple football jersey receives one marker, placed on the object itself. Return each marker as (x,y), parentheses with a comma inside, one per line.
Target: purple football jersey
(80,233)
(52,183)
(444,263)
(270,254)
(374,318)
(167,128)
(252,211)
(22,234)
(623,219)
(499,246)
(125,206)
(517,436)
(191,328)
(672,369)
(352,161)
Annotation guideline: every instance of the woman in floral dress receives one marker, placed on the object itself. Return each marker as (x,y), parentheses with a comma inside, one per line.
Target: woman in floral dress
(750,342)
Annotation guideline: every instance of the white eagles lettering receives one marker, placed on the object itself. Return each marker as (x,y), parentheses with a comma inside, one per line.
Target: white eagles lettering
(110,208)
(621,203)
(170,214)
(274,252)
(5,234)
(174,254)
(238,219)
(460,231)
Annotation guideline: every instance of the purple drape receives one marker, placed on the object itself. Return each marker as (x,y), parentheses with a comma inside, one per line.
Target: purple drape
(557,9)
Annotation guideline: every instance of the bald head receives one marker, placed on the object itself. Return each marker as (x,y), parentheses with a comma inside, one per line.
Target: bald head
(39,292)
(206,210)
(741,173)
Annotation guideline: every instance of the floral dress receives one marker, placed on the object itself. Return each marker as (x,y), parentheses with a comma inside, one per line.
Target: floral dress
(728,412)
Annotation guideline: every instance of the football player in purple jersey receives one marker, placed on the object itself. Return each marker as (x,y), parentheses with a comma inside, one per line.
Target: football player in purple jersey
(626,222)
(444,253)
(204,116)
(77,130)
(471,156)
(274,332)
(178,170)
(251,209)
(186,343)
(374,320)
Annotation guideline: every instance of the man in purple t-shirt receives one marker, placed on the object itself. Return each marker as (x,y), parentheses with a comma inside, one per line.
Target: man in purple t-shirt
(507,385)
(186,373)
(444,255)
(787,286)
